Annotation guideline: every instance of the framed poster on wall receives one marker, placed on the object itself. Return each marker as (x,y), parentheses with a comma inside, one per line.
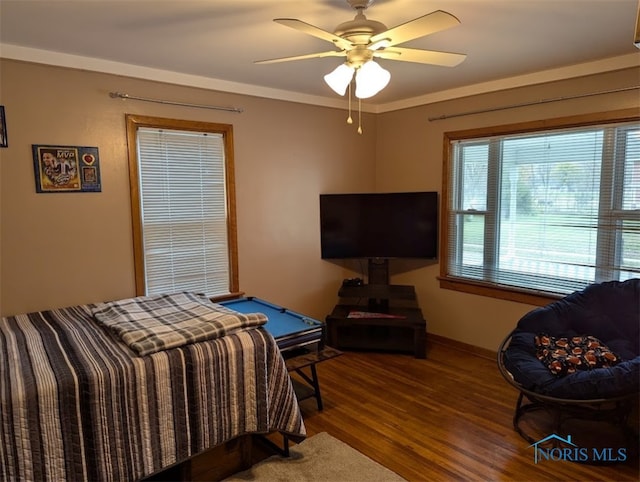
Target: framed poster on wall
(66,168)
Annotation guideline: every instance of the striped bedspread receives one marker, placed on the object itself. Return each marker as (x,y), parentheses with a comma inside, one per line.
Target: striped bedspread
(77,404)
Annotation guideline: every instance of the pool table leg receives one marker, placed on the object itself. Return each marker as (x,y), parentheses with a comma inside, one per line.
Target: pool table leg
(313,382)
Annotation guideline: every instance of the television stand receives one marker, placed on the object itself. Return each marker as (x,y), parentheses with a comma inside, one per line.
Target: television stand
(378,316)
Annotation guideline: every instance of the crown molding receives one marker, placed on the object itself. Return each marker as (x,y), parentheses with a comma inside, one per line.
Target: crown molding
(578,70)
(28,54)
(59,59)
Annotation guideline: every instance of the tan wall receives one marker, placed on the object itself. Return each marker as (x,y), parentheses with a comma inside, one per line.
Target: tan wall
(409,156)
(71,248)
(65,249)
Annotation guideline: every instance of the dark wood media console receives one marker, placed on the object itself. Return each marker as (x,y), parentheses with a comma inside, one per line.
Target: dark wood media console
(405,331)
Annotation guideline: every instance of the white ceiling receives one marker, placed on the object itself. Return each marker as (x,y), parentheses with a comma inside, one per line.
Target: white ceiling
(214,43)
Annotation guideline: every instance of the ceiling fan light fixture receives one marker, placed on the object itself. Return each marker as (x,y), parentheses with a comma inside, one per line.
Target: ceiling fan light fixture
(371,78)
(340,78)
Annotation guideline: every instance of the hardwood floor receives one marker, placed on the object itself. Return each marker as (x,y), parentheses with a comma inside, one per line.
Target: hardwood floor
(447,417)
(444,418)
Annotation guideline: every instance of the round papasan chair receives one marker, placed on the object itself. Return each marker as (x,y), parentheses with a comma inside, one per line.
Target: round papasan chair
(578,357)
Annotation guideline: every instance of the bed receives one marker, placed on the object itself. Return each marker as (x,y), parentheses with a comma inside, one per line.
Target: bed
(78,402)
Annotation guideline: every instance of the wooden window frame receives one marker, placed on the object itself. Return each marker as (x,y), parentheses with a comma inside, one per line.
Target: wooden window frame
(134,122)
(477,287)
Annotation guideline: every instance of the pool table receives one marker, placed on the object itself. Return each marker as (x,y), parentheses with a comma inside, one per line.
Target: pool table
(291,330)
(300,339)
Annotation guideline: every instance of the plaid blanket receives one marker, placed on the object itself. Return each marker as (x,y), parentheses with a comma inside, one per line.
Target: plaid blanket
(148,324)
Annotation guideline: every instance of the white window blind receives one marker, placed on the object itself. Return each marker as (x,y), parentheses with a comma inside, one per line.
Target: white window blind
(548,211)
(183,210)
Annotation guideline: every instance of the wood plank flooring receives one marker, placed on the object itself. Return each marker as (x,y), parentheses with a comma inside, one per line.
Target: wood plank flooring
(448,417)
(445,418)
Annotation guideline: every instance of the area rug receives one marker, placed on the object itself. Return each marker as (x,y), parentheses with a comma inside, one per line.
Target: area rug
(318,459)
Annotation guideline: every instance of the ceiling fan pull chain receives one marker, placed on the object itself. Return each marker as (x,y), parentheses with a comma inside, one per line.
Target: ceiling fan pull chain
(359,116)
(349,119)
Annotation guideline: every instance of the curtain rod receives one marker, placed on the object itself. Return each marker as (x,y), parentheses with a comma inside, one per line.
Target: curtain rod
(535,102)
(120,95)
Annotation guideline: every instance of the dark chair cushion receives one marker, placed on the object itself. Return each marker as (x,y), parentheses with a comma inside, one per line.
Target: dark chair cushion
(608,311)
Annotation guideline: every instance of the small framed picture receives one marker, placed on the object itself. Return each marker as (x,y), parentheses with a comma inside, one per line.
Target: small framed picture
(66,168)
(4,142)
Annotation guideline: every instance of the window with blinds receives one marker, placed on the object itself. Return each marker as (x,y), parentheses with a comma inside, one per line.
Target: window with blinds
(546,212)
(183,213)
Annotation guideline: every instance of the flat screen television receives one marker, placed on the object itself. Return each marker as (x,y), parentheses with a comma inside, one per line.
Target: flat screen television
(379,225)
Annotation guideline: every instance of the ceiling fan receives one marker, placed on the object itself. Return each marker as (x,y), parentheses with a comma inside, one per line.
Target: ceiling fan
(361,40)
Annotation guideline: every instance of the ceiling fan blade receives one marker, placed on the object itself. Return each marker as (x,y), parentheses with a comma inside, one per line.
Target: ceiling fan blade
(445,59)
(431,23)
(314,31)
(331,53)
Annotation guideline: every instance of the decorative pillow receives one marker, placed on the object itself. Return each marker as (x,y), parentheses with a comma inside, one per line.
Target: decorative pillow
(564,356)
